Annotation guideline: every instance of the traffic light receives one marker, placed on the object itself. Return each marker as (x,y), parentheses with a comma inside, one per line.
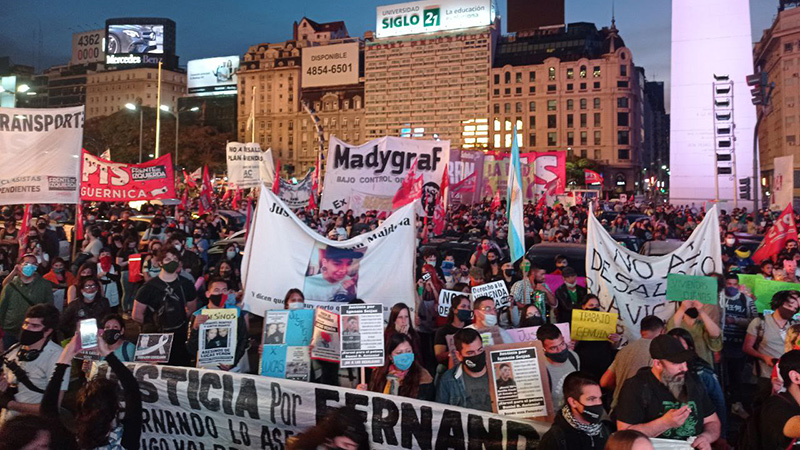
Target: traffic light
(758,83)
(744,188)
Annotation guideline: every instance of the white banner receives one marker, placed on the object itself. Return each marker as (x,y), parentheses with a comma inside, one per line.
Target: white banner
(40,155)
(330,65)
(782,183)
(636,285)
(185,408)
(282,253)
(297,195)
(366,177)
(248,165)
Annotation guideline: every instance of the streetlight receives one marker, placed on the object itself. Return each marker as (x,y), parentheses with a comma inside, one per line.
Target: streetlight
(177,115)
(23,88)
(134,107)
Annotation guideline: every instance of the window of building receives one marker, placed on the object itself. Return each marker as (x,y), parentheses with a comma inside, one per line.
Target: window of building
(596,85)
(508,125)
(622,119)
(496,141)
(584,138)
(622,102)
(570,138)
(622,84)
(583,103)
(518,107)
(569,152)
(532,76)
(583,153)
(583,86)
(551,121)
(570,121)
(623,70)
(597,154)
(596,72)
(496,92)
(596,138)
(496,124)
(518,77)
(507,108)
(518,91)
(583,120)
(497,78)
(356,121)
(551,88)
(532,89)
(532,122)
(552,140)
(497,108)
(788,47)
(551,105)
(583,72)
(623,154)
(570,87)
(551,73)
(507,140)
(596,103)
(570,104)
(623,137)
(507,91)
(570,73)
(532,139)
(532,106)
(507,77)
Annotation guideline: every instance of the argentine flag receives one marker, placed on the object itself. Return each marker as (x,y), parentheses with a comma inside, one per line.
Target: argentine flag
(516,227)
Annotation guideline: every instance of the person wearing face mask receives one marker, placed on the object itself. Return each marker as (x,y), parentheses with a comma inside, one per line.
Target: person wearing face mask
(568,295)
(578,423)
(402,374)
(769,333)
(596,356)
(22,288)
(61,279)
(151,266)
(29,364)
(217,294)
(485,322)
(90,304)
(738,310)
(560,361)
(459,316)
(191,263)
(431,257)
(108,273)
(729,245)
(293,300)
(113,333)
(693,317)
(467,384)
(224,269)
(155,233)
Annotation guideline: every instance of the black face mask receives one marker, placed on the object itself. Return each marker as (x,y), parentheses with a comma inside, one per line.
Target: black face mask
(509,272)
(112,336)
(592,413)
(28,337)
(693,313)
(559,357)
(475,363)
(534,321)
(217,299)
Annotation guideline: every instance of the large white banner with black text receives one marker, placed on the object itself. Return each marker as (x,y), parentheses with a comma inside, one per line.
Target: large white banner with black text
(282,253)
(366,177)
(186,408)
(636,285)
(40,155)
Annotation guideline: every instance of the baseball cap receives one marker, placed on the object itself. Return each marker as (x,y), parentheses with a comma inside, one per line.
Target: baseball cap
(670,348)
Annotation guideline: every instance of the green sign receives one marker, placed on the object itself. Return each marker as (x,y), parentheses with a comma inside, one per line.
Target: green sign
(692,287)
(765,289)
(749,281)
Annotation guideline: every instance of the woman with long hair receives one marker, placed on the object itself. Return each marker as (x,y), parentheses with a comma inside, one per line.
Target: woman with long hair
(400,322)
(87,270)
(151,265)
(401,374)
(89,304)
(459,316)
(294,299)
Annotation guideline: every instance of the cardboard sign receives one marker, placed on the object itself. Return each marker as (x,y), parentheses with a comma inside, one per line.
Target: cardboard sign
(361,335)
(529,333)
(518,380)
(692,287)
(153,348)
(765,289)
(217,340)
(496,289)
(285,351)
(446,300)
(325,342)
(593,325)
(749,281)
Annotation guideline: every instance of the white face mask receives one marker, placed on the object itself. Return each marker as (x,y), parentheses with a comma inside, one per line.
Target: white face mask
(296,305)
(490,320)
(730,242)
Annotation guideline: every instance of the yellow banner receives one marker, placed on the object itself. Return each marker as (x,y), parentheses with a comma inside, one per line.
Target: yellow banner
(592,325)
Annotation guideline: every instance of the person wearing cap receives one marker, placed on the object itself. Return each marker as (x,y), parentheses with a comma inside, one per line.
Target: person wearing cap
(22,288)
(568,295)
(668,401)
(333,283)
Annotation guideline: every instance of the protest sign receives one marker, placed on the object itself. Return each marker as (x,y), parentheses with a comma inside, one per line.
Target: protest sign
(529,333)
(496,290)
(153,348)
(325,338)
(446,300)
(329,272)
(765,289)
(107,181)
(217,340)
(248,165)
(518,387)
(749,281)
(692,287)
(367,176)
(184,408)
(286,337)
(670,444)
(297,195)
(593,325)
(40,151)
(635,285)
(361,335)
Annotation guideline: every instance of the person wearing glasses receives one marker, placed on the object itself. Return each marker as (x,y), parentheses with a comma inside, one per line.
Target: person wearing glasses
(485,315)
(89,304)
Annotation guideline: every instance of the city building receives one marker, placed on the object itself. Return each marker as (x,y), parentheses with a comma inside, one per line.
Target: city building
(66,85)
(572,88)
(655,152)
(778,54)
(527,15)
(107,92)
(270,89)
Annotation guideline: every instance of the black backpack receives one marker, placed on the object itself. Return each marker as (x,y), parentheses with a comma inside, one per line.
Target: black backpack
(171,314)
(750,434)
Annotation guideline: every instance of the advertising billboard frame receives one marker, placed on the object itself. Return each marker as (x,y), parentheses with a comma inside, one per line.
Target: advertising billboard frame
(428,16)
(213,76)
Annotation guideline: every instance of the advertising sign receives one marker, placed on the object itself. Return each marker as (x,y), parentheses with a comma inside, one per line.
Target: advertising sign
(135,39)
(432,15)
(210,76)
(87,47)
(330,65)
(103,180)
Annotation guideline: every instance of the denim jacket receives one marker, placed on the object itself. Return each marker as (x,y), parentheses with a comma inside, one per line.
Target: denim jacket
(451,388)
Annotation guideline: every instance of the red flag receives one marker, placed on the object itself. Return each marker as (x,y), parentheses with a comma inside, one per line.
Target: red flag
(276,184)
(592,177)
(774,241)
(188,180)
(237,197)
(206,192)
(410,189)
(23,229)
(439,210)
(495,205)
(185,200)
(227,194)
(79,221)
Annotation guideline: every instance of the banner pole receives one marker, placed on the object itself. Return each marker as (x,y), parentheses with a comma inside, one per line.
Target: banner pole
(363,376)
(158,111)
(253,115)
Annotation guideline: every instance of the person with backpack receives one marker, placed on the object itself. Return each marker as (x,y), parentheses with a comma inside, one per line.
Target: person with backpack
(560,361)
(779,418)
(164,304)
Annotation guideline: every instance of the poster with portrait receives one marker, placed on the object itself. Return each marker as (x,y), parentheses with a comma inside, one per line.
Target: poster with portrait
(332,273)
(361,335)
(286,338)
(217,340)
(153,348)
(325,340)
(519,384)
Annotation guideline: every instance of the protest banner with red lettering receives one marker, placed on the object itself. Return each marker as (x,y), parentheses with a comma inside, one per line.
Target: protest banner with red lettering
(782,230)
(103,180)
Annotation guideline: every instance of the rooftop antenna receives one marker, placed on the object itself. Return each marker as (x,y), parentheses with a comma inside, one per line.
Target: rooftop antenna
(613,15)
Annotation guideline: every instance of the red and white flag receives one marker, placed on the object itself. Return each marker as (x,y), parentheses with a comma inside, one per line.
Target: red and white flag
(23,229)
(782,230)
(441,205)
(410,189)
(592,177)
(188,180)
(206,193)
(276,182)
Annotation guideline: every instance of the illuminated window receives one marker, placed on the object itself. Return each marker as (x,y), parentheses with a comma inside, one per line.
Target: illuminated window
(551,73)
(551,105)
(596,72)
(507,140)
(508,125)
(583,72)
(496,124)
(496,141)
(570,73)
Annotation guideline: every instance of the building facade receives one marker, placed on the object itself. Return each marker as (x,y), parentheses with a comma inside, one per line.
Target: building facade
(778,54)
(108,92)
(573,89)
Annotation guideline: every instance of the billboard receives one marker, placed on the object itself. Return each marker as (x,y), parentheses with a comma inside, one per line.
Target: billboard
(330,65)
(134,39)
(432,15)
(212,75)
(87,47)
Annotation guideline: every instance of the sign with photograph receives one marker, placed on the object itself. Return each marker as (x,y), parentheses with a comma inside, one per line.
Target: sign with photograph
(286,337)
(330,65)
(212,76)
(519,382)
(361,335)
(428,16)
(217,341)
(153,348)
(325,340)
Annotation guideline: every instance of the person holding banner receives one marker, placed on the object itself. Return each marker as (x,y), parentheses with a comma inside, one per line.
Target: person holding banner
(578,424)
(217,294)
(467,384)
(402,374)
(706,332)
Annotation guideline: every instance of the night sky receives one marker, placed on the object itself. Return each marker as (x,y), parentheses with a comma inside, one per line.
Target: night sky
(218,28)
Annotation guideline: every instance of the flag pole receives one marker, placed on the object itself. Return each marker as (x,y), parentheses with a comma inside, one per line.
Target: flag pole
(253,115)
(158,111)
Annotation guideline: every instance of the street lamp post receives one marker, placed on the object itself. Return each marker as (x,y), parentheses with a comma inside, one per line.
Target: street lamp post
(177,115)
(134,107)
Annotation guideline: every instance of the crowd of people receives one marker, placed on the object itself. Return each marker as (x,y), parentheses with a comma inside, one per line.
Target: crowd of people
(687,378)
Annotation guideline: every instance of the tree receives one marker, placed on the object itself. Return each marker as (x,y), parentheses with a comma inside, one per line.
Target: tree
(575,170)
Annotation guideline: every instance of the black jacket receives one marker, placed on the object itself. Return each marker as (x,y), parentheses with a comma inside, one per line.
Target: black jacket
(564,308)
(562,436)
